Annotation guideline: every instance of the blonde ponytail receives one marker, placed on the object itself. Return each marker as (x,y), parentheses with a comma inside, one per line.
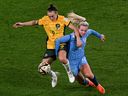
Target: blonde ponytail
(75,19)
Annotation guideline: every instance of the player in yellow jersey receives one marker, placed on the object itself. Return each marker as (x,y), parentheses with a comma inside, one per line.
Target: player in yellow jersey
(54,25)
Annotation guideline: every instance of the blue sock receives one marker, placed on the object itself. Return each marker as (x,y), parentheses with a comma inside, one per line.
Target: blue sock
(94,80)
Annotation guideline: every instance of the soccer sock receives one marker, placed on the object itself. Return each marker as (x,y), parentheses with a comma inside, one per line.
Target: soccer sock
(94,80)
(51,73)
(66,66)
(85,82)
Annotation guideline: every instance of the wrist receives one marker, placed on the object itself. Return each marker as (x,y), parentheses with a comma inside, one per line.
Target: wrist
(77,37)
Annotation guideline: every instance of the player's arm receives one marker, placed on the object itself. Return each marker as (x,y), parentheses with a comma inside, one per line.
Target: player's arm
(28,23)
(58,41)
(100,36)
(79,43)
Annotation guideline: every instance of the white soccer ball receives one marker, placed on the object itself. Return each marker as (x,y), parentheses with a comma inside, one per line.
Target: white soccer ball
(44,69)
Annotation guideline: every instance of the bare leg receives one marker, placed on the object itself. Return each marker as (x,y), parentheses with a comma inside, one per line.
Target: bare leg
(62,57)
(81,79)
(86,70)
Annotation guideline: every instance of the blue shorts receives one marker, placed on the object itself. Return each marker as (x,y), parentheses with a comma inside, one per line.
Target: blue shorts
(76,64)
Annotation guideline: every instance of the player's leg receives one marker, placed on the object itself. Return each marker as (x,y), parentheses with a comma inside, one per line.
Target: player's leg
(63,59)
(77,73)
(62,55)
(48,58)
(86,70)
(46,62)
(81,79)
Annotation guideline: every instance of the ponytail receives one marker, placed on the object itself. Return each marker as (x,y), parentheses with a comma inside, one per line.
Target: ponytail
(75,19)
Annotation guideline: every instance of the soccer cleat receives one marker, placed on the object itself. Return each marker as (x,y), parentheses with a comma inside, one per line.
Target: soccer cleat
(71,77)
(100,89)
(54,79)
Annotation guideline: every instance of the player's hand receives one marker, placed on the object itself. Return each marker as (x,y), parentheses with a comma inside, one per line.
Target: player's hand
(18,24)
(79,43)
(102,38)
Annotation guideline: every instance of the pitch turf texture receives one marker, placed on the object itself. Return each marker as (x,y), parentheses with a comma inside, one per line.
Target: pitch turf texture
(21,49)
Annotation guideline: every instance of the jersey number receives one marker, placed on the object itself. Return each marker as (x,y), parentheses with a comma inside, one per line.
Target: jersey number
(53,32)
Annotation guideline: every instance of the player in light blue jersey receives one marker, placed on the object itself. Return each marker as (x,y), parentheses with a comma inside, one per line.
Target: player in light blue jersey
(77,58)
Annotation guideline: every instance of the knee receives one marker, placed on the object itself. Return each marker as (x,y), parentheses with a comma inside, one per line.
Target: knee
(62,59)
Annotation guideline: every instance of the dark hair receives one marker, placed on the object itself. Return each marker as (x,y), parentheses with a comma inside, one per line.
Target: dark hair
(52,8)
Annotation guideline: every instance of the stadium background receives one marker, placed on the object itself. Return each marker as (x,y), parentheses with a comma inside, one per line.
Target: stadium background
(21,49)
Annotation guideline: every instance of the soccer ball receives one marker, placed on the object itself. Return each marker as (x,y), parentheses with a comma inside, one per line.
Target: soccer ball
(44,69)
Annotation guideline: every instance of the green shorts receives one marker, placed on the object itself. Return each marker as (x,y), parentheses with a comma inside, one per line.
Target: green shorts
(51,52)
(63,46)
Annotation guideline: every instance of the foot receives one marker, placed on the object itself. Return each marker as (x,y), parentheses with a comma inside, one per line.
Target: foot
(90,83)
(71,77)
(100,89)
(54,79)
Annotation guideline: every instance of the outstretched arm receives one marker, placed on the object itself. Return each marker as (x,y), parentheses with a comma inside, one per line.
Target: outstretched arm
(63,39)
(29,23)
(101,36)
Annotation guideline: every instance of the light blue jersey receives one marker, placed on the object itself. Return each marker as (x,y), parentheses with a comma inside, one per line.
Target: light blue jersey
(76,55)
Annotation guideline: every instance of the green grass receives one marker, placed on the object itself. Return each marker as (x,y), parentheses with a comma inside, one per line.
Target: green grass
(21,49)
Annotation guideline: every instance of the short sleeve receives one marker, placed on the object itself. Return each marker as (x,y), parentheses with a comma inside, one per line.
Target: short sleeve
(66,21)
(41,21)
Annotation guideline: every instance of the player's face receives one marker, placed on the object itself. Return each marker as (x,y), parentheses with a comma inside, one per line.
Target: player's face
(83,30)
(52,15)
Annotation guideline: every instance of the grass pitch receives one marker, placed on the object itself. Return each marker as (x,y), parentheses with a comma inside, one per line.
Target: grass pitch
(21,49)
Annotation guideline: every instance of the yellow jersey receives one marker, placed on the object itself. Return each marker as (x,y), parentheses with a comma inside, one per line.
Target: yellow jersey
(54,29)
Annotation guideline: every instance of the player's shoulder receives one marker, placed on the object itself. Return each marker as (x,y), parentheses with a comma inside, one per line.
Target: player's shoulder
(61,17)
(89,30)
(72,35)
(45,17)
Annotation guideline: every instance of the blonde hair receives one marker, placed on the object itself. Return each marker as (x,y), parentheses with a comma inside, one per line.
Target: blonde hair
(75,19)
(85,23)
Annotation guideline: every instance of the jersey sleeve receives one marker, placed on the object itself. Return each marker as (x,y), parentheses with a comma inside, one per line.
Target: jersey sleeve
(63,39)
(41,21)
(66,21)
(95,33)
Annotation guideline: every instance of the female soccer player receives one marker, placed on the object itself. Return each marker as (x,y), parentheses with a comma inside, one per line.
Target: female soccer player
(77,58)
(54,25)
